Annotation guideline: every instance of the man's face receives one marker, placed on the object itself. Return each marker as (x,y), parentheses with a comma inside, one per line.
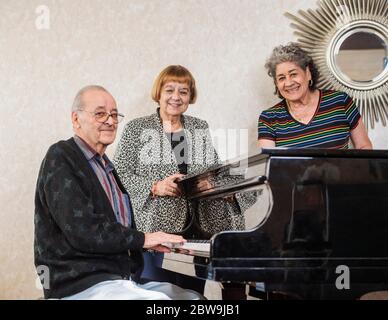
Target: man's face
(97,134)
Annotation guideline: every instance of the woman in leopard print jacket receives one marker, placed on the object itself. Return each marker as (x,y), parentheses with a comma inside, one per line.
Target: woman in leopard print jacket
(156,150)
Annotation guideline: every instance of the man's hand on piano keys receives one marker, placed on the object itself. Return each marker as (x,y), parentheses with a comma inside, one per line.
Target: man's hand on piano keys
(195,247)
(154,241)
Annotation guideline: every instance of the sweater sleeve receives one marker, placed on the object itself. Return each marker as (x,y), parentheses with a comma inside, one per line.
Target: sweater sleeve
(126,161)
(64,190)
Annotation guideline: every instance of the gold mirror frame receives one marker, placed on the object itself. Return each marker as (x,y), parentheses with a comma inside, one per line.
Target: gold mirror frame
(320,31)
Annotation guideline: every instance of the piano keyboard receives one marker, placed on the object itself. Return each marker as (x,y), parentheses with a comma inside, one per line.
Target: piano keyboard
(192,245)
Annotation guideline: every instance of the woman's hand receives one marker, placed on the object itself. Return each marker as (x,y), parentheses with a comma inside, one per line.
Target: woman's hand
(205,185)
(167,187)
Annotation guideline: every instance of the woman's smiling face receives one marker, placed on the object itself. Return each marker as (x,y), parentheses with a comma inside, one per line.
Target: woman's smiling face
(292,81)
(174,98)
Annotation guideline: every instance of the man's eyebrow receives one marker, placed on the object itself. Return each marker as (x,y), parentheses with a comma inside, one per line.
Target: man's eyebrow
(103,107)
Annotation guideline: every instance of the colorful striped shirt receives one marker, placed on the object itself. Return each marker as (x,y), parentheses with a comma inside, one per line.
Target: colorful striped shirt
(103,168)
(330,127)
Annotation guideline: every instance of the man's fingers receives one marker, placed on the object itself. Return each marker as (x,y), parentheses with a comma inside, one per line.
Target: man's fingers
(161,248)
(174,238)
(154,240)
(178,240)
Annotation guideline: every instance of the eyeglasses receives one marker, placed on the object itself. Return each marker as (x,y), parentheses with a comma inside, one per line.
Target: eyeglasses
(103,116)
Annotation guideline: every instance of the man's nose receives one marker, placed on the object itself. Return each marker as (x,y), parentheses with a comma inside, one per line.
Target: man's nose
(110,120)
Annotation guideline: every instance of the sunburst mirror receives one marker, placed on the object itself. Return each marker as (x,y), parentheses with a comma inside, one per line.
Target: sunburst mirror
(348,40)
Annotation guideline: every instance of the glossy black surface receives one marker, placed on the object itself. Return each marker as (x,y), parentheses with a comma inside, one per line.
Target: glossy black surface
(330,208)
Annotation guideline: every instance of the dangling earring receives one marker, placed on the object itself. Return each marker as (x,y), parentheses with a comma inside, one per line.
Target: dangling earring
(311,83)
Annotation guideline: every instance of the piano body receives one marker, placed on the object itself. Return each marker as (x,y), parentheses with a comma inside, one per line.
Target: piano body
(323,230)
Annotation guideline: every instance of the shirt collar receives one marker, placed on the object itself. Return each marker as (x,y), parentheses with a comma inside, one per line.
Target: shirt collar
(90,153)
(87,150)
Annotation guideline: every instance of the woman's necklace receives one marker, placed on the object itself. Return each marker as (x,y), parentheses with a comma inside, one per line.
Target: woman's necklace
(297,117)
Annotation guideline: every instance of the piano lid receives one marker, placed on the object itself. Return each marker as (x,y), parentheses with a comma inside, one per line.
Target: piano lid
(264,153)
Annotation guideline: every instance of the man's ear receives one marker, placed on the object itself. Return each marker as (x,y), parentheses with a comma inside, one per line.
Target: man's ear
(75,120)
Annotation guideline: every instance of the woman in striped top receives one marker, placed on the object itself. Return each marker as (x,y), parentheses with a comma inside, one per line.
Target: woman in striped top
(307,117)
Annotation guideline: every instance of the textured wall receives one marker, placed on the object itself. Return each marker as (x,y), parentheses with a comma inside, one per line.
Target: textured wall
(122,45)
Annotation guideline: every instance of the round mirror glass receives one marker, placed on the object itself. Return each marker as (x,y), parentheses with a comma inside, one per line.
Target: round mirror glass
(362,56)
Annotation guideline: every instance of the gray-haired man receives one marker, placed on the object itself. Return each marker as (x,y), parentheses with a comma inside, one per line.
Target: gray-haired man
(85,234)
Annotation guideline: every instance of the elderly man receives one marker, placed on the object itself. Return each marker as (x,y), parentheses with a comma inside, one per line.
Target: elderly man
(85,233)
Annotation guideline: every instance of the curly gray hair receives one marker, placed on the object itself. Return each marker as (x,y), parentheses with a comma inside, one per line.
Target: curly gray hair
(291,52)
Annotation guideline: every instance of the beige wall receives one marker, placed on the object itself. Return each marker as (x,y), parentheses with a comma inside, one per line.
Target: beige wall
(120,44)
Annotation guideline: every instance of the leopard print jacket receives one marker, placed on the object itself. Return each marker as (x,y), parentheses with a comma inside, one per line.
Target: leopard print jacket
(144,156)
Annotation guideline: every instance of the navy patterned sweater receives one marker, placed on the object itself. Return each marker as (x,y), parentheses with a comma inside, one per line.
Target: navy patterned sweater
(78,242)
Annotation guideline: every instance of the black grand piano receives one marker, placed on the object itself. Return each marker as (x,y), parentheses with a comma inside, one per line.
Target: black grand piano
(318,228)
